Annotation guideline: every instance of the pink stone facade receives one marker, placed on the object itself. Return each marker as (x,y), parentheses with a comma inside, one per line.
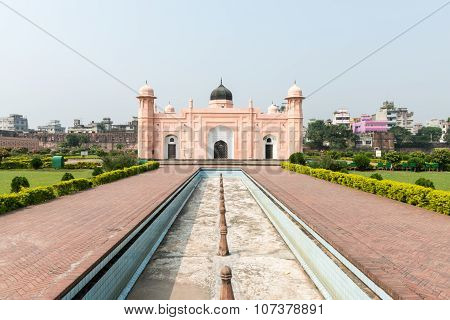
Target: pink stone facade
(219,130)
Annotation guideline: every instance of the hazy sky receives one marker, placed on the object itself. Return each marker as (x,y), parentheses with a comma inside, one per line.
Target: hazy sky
(259,48)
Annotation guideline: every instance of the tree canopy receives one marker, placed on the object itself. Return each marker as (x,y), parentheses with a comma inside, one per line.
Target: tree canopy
(338,136)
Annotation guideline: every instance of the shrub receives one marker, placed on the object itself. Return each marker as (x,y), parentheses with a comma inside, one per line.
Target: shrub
(344,170)
(71,186)
(376,176)
(18,183)
(326,162)
(36,163)
(436,200)
(417,163)
(362,161)
(118,161)
(4,153)
(97,171)
(393,157)
(442,157)
(36,195)
(334,154)
(67,176)
(297,158)
(427,183)
(114,175)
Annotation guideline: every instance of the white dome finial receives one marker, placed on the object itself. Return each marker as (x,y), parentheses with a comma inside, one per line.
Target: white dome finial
(146,90)
(294,91)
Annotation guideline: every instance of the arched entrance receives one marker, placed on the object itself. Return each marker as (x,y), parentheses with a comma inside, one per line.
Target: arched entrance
(270,151)
(220,143)
(220,150)
(170,148)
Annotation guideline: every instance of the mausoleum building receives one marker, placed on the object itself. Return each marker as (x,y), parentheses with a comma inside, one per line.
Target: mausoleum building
(220,130)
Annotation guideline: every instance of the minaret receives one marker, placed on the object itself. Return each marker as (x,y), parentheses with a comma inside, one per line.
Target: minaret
(295,119)
(146,122)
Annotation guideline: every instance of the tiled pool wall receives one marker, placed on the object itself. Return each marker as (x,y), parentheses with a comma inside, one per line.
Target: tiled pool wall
(121,268)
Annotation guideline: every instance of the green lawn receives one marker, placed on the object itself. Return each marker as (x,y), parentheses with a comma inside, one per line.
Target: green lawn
(441,180)
(42,177)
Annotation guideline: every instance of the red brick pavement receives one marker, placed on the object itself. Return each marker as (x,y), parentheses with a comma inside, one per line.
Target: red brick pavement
(402,248)
(44,248)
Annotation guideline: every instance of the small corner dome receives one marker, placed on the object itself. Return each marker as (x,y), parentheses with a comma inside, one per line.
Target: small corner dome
(146,90)
(272,109)
(221,93)
(169,108)
(294,91)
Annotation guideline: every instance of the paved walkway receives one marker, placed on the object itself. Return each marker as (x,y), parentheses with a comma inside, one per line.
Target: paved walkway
(402,248)
(44,248)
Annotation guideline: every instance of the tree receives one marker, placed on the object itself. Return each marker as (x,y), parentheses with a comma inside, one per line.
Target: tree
(338,136)
(401,135)
(316,134)
(75,140)
(429,134)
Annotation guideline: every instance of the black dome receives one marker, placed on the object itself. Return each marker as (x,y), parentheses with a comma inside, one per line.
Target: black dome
(221,93)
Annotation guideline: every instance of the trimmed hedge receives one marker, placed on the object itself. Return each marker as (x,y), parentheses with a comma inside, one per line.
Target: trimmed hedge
(114,175)
(71,186)
(22,163)
(436,200)
(30,196)
(82,165)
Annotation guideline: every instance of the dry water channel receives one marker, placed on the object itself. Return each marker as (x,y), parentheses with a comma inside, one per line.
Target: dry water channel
(186,264)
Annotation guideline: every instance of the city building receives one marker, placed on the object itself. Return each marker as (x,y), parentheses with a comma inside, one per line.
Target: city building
(405,119)
(366,124)
(14,122)
(387,113)
(54,126)
(341,116)
(372,133)
(106,125)
(438,123)
(400,117)
(219,131)
(78,127)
